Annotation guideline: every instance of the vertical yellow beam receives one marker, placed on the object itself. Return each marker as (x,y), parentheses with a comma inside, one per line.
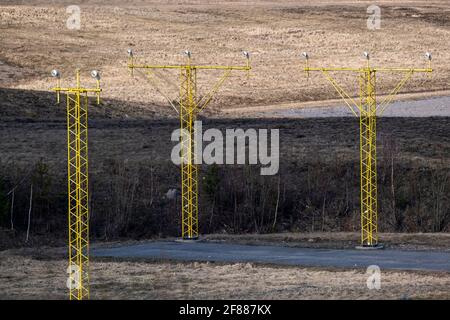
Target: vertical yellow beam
(368,165)
(78,191)
(79,266)
(189,170)
(72,194)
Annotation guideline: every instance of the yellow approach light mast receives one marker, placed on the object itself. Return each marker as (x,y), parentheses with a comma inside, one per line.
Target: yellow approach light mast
(189,104)
(367,109)
(78,182)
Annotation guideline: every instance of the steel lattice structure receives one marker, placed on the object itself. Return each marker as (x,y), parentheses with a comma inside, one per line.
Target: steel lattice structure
(78,184)
(190,104)
(189,170)
(367,110)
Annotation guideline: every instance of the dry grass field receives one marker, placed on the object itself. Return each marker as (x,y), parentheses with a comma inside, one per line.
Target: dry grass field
(36,275)
(35,39)
(421,143)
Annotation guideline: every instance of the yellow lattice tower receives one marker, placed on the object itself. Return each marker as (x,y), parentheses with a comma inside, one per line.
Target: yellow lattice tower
(367,109)
(78,182)
(188,107)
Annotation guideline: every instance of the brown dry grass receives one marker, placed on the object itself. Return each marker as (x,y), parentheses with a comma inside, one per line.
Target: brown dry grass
(423,142)
(34,40)
(29,277)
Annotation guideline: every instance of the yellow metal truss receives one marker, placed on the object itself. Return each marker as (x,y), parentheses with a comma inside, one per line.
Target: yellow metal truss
(367,109)
(189,106)
(78,186)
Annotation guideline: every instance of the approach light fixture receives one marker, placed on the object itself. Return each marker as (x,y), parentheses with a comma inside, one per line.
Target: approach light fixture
(187,53)
(95,74)
(55,73)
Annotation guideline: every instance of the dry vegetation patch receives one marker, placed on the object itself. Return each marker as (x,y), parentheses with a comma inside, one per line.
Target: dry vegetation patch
(35,39)
(28,277)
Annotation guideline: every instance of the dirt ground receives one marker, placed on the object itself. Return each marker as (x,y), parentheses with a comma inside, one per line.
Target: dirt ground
(37,275)
(35,39)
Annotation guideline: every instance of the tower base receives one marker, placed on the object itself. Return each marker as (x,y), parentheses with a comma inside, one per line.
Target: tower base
(378,246)
(188,240)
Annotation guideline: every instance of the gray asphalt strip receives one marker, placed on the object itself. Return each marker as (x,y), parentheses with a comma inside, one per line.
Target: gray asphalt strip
(233,253)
